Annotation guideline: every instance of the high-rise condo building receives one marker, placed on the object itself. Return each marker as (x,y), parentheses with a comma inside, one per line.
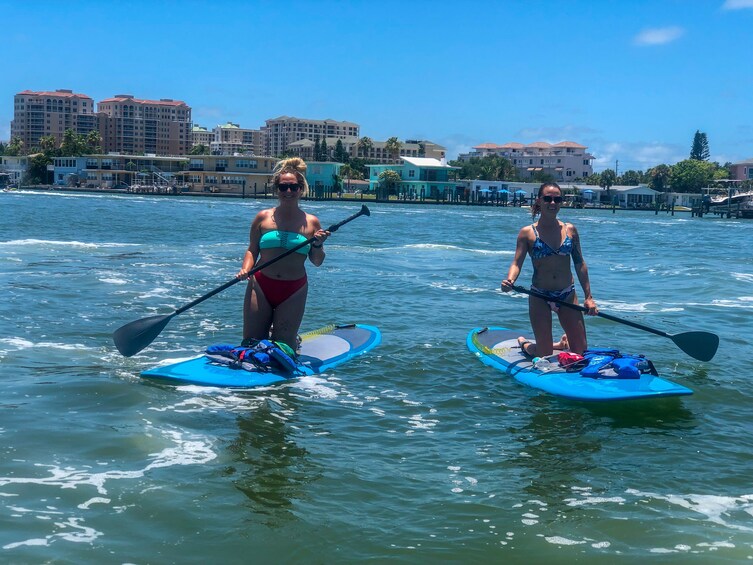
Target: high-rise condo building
(279,132)
(133,126)
(37,114)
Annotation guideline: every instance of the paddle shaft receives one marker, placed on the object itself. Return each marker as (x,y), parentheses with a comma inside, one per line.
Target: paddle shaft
(584,309)
(333,228)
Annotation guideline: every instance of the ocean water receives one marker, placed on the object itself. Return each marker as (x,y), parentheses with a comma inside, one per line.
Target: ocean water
(414,453)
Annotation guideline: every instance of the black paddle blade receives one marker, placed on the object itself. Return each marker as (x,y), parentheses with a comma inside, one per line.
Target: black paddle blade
(135,336)
(364,210)
(699,345)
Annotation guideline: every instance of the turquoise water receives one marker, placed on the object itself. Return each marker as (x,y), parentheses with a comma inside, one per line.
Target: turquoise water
(414,453)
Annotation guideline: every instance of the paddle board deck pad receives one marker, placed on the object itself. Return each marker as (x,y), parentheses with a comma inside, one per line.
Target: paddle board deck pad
(498,348)
(320,350)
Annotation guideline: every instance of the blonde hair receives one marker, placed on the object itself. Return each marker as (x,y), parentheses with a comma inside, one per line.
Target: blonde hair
(294,165)
(536,208)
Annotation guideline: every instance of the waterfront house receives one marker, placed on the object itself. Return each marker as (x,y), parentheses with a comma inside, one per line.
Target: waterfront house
(323,178)
(742,170)
(640,196)
(14,167)
(227,174)
(420,177)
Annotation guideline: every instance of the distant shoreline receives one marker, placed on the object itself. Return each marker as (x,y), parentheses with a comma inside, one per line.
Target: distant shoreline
(345,197)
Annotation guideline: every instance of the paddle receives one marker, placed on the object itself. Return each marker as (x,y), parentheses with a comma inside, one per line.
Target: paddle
(135,336)
(699,345)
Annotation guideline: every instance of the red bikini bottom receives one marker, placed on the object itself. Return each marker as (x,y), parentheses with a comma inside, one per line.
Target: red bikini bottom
(277,291)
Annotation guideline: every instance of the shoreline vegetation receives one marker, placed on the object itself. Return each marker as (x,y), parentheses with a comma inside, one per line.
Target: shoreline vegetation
(342,197)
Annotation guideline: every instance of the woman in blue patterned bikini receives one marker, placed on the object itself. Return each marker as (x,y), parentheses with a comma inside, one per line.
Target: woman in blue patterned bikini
(552,276)
(276,296)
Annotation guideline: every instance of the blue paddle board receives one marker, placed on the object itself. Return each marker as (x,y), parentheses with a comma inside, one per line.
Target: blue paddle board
(320,350)
(498,348)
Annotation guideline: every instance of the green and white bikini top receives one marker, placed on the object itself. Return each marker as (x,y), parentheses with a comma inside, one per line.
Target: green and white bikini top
(284,239)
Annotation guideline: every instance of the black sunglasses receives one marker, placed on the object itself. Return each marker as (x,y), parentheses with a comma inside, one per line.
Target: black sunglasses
(295,187)
(555,199)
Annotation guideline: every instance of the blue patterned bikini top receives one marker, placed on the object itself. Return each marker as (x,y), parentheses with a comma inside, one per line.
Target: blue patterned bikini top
(284,239)
(541,248)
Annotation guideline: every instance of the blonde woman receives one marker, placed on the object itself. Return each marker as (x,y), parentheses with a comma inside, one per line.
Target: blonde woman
(275,298)
(551,245)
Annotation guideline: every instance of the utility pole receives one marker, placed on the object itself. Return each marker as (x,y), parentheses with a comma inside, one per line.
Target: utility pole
(616,163)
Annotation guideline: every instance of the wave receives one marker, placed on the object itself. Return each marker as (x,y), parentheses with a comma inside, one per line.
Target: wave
(21,343)
(446,246)
(20,242)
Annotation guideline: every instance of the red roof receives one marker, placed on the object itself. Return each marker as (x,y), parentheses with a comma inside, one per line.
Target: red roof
(571,144)
(488,145)
(61,93)
(539,145)
(163,102)
(513,145)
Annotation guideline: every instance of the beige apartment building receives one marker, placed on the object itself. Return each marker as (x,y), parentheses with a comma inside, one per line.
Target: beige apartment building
(564,161)
(377,153)
(131,125)
(201,136)
(37,114)
(230,138)
(280,132)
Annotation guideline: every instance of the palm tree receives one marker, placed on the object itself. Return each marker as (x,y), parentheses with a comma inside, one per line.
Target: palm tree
(608,179)
(392,146)
(365,144)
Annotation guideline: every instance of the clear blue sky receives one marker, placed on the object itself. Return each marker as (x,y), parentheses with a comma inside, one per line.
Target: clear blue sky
(631,79)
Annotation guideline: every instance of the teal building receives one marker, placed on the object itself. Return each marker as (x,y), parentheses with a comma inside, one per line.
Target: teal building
(323,178)
(420,177)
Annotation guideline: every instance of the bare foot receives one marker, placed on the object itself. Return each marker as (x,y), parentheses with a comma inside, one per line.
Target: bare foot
(563,343)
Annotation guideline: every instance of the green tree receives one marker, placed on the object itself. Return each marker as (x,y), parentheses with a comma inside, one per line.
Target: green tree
(340,155)
(323,151)
(393,146)
(691,175)
(93,143)
(659,177)
(364,146)
(608,178)
(348,172)
(358,165)
(337,182)
(490,167)
(14,148)
(700,149)
(594,179)
(317,149)
(388,181)
(631,178)
(47,144)
(73,144)
(199,149)
(37,172)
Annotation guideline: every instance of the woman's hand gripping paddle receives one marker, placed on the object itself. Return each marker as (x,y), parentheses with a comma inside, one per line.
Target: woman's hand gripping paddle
(135,336)
(699,345)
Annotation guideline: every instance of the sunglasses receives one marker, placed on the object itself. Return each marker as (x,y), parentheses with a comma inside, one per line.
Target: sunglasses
(555,199)
(295,187)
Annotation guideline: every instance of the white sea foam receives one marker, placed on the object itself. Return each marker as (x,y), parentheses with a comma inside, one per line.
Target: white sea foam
(50,242)
(594,500)
(194,450)
(716,508)
(20,343)
(445,246)
(113,281)
(743,277)
(559,540)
